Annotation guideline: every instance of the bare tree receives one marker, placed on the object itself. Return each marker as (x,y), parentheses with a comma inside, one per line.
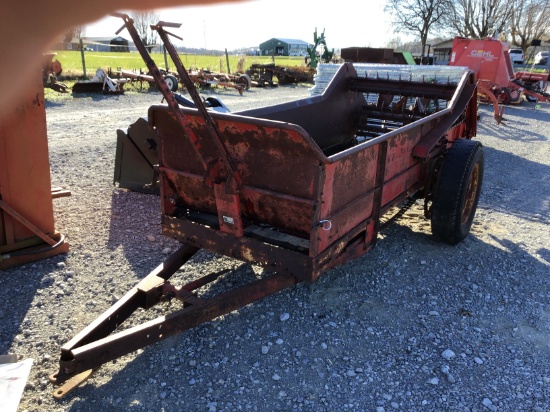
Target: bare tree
(143,21)
(73,32)
(395,43)
(530,21)
(417,16)
(479,18)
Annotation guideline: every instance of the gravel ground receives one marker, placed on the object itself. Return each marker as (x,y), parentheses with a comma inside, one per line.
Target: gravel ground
(414,325)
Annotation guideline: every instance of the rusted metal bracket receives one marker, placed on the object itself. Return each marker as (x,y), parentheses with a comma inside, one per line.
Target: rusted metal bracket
(370,239)
(71,383)
(498,112)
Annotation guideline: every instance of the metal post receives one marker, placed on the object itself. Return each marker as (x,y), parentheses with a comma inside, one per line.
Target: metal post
(165,58)
(82,55)
(227,61)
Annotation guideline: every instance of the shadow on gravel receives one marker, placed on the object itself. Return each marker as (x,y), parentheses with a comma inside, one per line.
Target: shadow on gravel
(514,126)
(389,313)
(374,313)
(135,227)
(21,287)
(48,104)
(523,191)
(98,97)
(545,254)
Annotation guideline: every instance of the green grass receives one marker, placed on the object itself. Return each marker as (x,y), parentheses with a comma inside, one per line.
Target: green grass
(71,61)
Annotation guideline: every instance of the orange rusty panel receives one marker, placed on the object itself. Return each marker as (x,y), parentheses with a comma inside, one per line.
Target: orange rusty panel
(24,167)
(278,164)
(288,212)
(347,196)
(190,188)
(278,209)
(342,223)
(401,184)
(402,169)
(400,148)
(179,153)
(274,158)
(348,180)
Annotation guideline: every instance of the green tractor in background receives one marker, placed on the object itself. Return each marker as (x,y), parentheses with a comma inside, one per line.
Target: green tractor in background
(319,52)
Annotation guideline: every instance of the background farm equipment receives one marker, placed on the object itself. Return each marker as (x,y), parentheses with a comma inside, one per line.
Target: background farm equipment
(50,70)
(536,82)
(375,55)
(205,78)
(201,78)
(497,82)
(319,53)
(100,83)
(136,155)
(171,81)
(296,188)
(264,74)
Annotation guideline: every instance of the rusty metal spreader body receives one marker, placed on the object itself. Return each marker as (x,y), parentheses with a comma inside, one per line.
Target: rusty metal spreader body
(296,188)
(308,196)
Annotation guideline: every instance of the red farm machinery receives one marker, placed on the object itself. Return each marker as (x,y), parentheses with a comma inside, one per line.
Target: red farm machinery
(497,82)
(295,188)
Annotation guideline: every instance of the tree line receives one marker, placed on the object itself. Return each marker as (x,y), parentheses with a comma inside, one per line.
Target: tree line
(517,21)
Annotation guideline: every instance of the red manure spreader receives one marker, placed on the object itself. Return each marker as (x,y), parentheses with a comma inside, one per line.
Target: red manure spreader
(295,188)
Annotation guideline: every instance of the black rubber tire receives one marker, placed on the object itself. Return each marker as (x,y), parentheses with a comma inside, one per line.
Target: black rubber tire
(457,191)
(171,82)
(245,80)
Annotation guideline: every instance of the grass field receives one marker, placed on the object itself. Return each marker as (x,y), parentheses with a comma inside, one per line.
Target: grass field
(71,61)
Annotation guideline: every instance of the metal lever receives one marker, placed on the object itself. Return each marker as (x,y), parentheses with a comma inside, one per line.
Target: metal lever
(167,24)
(235,180)
(124,17)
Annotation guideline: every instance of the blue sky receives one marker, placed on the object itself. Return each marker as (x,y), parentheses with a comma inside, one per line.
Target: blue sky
(238,25)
